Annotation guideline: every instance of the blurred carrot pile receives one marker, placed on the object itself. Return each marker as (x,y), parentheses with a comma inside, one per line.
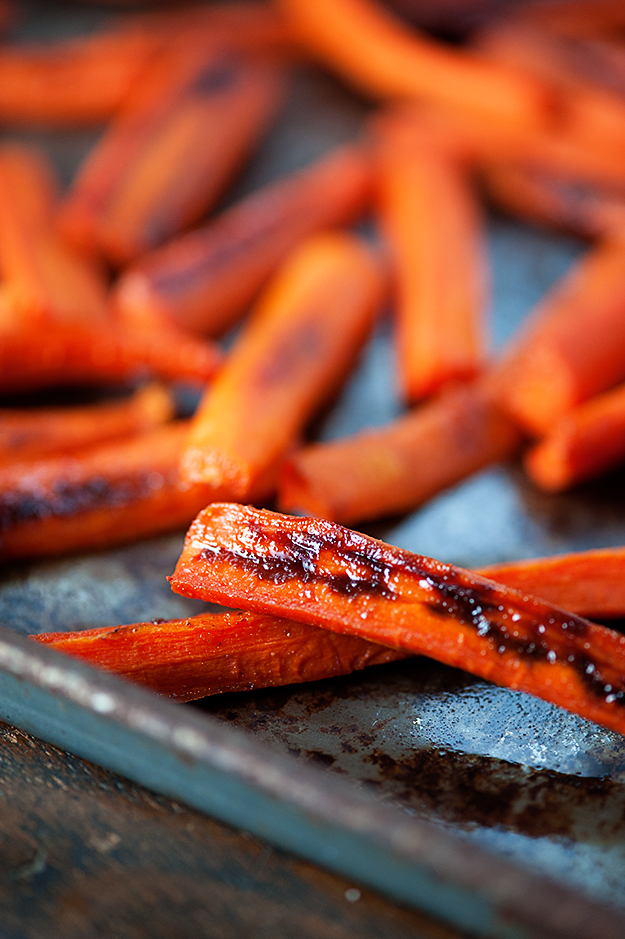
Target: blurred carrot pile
(123,279)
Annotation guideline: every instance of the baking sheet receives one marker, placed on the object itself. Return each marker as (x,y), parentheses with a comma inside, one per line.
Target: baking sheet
(498,774)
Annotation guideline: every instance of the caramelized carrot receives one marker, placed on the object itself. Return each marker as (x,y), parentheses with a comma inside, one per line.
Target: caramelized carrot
(100,496)
(559,201)
(100,353)
(318,573)
(368,46)
(433,224)
(298,345)
(217,652)
(186,129)
(577,17)
(591,583)
(573,345)
(43,279)
(31,433)
(390,469)
(585,443)
(204,280)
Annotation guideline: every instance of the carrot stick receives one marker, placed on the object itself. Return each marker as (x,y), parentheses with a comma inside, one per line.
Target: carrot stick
(372,49)
(586,442)
(301,340)
(433,225)
(218,652)
(97,497)
(102,353)
(186,129)
(204,280)
(573,345)
(43,278)
(27,433)
(559,201)
(591,583)
(391,469)
(318,573)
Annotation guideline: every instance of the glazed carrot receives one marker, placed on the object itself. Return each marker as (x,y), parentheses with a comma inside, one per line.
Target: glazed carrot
(28,433)
(92,354)
(583,444)
(204,280)
(573,345)
(433,225)
(577,17)
(372,49)
(43,279)
(299,343)
(591,583)
(218,652)
(318,573)
(559,201)
(100,496)
(186,129)
(393,468)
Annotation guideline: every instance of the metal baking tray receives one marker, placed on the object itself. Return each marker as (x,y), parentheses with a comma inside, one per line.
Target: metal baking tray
(496,812)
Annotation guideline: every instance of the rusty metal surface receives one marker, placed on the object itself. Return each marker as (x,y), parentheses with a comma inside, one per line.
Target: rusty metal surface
(497,777)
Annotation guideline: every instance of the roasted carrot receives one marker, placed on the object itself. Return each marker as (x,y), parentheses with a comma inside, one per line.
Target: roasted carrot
(372,49)
(433,225)
(555,200)
(591,583)
(573,345)
(217,652)
(318,573)
(185,130)
(93,354)
(96,497)
(584,443)
(299,343)
(28,433)
(204,280)
(43,279)
(393,468)
(577,17)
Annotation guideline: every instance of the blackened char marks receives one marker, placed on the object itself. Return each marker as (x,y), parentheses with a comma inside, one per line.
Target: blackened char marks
(217,77)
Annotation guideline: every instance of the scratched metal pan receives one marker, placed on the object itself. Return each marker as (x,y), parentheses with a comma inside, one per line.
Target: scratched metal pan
(492,810)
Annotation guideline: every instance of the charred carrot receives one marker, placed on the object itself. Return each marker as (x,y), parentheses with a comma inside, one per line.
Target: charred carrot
(43,279)
(298,345)
(368,46)
(204,280)
(393,468)
(591,583)
(573,345)
(433,225)
(586,442)
(31,433)
(100,496)
(218,652)
(556,200)
(186,129)
(93,354)
(318,573)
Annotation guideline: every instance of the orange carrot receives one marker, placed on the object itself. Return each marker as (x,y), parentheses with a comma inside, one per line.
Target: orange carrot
(433,224)
(31,433)
(185,130)
(372,49)
(591,583)
(318,573)
(302,338)
(217,652)
(100,353)
(43,279)
(390,469)
(577,17)
(100,496)
(573,345)
(204,280)
(585,443)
